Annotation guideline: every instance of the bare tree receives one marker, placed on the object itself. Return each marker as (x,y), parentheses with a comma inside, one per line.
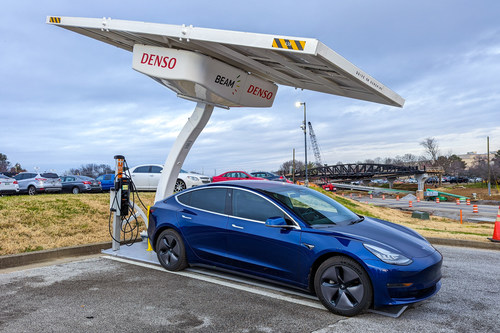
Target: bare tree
(431,149)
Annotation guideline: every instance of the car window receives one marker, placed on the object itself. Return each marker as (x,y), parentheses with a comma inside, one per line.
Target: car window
(142,169)
(70,179)
(212,199)
(49,175)
(108,177)
(156,169)
(248,205)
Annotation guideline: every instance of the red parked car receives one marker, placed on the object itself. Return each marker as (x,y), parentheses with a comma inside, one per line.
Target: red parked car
(234,175)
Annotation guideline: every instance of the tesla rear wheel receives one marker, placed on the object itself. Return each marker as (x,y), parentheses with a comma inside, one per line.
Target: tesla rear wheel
(179,185)
(75,190)
(170,251)
(343,286)
(31,190)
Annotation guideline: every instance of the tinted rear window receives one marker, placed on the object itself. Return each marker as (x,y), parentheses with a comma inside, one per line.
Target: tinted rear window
(49,175)
(213,199)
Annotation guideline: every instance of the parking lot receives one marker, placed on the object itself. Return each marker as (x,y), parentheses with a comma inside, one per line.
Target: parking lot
(100,294)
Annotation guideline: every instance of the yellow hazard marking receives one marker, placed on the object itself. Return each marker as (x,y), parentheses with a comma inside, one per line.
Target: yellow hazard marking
(281,43)
(55,19)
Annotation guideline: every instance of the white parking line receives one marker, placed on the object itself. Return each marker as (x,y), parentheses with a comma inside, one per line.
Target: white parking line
(310,303)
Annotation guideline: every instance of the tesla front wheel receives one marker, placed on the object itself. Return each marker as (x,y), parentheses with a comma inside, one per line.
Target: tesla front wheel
(343,286)
(170,251)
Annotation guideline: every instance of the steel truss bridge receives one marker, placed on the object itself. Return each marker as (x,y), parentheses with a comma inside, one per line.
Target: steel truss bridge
(358,171)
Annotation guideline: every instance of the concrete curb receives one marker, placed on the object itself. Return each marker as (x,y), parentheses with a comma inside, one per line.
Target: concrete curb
(23,259)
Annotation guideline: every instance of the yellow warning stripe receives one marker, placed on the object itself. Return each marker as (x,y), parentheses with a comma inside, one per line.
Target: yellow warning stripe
(55,19)
(281,43)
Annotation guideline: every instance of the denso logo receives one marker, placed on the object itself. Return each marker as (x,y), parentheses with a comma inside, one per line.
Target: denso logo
(266,94)
(158,61)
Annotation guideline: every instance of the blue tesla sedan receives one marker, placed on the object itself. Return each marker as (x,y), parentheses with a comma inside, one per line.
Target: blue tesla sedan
(296,236)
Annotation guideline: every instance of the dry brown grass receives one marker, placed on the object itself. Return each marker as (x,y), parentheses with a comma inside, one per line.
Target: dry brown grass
(32,223)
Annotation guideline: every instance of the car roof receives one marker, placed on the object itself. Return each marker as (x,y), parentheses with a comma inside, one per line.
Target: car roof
(264,185)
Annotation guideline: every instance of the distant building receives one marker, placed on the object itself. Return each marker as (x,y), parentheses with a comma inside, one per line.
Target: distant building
(470,157)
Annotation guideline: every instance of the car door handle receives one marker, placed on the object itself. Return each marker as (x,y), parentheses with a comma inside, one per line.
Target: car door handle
(236,226)
(186,217)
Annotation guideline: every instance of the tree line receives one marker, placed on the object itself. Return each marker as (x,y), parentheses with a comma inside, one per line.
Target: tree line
(90,170)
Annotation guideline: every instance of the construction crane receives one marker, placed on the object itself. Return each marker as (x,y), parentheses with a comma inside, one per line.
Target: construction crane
(314,144)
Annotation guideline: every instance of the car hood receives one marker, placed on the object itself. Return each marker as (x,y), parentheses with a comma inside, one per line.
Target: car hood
(387,235)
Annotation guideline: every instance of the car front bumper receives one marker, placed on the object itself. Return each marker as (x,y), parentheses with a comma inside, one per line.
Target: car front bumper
(399,285)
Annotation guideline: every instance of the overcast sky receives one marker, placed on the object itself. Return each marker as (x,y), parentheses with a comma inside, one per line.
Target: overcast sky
(68,100)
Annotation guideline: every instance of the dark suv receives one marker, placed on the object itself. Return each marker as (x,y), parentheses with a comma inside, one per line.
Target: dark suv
(33,183)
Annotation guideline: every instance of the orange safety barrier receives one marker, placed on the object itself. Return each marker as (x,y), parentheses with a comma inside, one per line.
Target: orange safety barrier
(437,199)
(496,231)
(474,209)
(458,201)
(410,204)
(468,202)
(397,197)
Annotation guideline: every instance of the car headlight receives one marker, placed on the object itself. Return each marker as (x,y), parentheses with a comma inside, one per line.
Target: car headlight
(388,256)
(195,179)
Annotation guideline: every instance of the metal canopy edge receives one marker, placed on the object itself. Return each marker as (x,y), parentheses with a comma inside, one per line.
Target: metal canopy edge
(303,63)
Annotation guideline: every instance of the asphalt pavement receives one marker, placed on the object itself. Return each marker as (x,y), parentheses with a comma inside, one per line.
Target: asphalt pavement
(102,294)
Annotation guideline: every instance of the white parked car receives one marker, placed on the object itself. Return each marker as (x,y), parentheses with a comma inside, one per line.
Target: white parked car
(8,185)
(147,177)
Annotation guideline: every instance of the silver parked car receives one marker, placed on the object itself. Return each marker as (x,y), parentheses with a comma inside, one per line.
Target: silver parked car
(8,185)
(76,184)
(33,183)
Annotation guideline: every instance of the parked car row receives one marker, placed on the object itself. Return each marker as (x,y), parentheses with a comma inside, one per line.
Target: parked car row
(145,178)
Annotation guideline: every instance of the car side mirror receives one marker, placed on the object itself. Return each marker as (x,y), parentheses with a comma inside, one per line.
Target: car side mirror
(276,222)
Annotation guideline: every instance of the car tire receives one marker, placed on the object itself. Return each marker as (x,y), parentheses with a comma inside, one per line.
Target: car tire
(179,185)
(75,190)
(171,251)
(31,190)
(343,286)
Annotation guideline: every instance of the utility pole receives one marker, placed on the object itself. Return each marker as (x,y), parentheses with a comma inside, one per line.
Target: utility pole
(293,166)
(489,167)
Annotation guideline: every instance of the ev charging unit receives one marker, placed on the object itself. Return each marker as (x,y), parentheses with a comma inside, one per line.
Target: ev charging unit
(221,68)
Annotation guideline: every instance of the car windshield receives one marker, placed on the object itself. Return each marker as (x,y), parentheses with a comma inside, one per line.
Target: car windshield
(313,207)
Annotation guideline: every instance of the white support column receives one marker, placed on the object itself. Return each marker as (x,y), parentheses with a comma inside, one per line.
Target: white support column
(180,149)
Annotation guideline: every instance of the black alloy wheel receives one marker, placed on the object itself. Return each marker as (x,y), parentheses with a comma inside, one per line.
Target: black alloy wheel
(343,286)
(170,251)
(179,185)
(31,190)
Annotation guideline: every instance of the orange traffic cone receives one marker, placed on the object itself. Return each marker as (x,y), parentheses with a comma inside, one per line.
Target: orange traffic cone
(458,201)
(474,209)
(437,199)
(397,197)
(410,204)
(468,202)
(496,231)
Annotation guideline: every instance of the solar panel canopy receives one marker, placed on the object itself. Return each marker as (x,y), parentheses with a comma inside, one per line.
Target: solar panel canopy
(298,62)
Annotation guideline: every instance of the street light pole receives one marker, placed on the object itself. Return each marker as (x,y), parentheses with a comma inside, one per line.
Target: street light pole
(304,127)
